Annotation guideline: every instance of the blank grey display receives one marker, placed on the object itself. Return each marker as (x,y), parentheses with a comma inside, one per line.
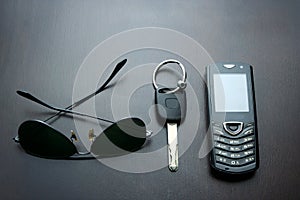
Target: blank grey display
(230,92)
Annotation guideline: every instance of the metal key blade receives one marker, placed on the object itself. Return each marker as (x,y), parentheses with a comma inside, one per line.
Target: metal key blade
(172,146)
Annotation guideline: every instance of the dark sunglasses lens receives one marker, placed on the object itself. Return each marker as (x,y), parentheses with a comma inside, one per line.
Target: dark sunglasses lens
(122,137)
(40,139)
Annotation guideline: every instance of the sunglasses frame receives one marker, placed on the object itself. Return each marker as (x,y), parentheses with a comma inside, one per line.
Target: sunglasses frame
(77,154)
(68,110)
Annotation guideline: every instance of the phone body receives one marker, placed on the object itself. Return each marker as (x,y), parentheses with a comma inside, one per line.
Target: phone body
(232,114)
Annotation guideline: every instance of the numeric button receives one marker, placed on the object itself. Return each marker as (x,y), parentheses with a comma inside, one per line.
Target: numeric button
(222,146)
(223,160)
(247,160)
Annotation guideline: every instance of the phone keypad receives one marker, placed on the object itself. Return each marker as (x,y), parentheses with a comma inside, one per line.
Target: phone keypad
(236,150)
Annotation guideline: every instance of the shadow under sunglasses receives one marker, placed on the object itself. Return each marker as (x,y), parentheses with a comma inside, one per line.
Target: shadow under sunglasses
(40,139)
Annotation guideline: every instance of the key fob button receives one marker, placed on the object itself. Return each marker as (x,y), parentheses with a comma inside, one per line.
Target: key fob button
(172,103)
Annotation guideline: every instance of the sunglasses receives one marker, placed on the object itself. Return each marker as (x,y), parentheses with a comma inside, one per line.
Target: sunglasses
(40,139)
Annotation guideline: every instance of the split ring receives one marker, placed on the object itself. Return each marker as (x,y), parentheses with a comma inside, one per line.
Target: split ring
(181,84)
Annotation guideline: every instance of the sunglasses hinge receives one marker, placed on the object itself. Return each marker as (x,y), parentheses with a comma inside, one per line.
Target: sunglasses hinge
(73,136)
(16,139)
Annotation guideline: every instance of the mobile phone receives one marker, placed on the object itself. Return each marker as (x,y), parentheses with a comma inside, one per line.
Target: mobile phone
(232,113)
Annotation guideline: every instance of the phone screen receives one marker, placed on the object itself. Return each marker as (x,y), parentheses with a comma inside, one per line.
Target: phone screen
(230,93)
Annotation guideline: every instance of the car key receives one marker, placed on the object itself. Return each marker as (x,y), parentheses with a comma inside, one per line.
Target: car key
(172,106)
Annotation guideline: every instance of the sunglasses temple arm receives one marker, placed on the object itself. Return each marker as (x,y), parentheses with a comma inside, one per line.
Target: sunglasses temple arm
(77,103)
(113,74)
(32,98)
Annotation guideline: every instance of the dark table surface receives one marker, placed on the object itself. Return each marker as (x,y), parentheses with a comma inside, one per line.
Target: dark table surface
(44,43)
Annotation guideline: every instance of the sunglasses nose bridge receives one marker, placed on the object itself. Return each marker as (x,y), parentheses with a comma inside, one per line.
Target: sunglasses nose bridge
(16,139)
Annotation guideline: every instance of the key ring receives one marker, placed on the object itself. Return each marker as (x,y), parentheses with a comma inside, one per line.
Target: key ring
(181,84)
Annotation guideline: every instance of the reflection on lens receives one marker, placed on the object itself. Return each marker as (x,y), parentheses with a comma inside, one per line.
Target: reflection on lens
(39,139)
(120,138)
